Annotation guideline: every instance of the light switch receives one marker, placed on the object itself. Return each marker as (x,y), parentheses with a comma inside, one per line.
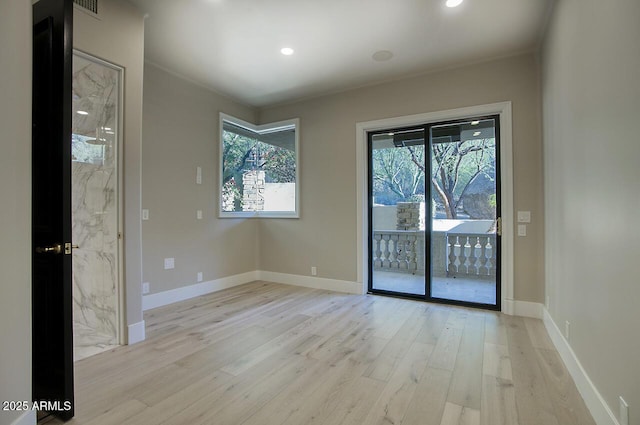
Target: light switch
(522,230)
(524,216)
(145,214)
(198,175)
(169,263)
(199,214)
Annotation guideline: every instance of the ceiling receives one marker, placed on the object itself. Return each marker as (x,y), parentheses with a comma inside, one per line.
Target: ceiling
(233,46)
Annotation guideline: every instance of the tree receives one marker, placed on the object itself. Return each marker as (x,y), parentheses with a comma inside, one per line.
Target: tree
(396,178)
(241,154)
(454,165)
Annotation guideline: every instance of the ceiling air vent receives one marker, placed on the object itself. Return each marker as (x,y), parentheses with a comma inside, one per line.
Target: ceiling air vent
(89,5)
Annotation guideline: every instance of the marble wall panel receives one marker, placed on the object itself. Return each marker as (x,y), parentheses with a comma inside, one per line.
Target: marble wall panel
(94,205)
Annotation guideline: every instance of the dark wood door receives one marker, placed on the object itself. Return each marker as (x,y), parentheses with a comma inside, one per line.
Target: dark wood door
(51,207)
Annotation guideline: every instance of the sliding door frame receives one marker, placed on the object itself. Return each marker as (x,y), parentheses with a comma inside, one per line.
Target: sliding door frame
(498,177)
(503,110)
(428,230)
(369,207)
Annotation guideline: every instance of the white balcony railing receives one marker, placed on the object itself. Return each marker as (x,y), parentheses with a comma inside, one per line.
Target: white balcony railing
(398,250)
(452,254)
(471,254)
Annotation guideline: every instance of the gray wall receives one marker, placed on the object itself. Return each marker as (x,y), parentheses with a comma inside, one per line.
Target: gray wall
(181,133)
(325,235)
(15,208)
(591,101)
(118,37)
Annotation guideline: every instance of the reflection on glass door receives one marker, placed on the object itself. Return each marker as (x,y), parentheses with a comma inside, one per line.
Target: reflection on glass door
(465,209)
(434,208)
(397,211)
(94,201)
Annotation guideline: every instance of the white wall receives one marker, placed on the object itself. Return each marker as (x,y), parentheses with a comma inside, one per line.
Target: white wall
(591,104)
(15,208)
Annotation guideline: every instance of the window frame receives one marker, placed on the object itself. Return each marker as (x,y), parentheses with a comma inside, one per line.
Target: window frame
(260,129)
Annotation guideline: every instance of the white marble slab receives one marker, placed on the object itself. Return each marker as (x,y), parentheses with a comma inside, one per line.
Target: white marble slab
(94,207)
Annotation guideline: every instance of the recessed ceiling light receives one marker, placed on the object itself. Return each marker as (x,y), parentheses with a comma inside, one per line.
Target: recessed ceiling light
(82,112)
(475,122)
(454,3)
(287,51)
(477,133)
(382,55)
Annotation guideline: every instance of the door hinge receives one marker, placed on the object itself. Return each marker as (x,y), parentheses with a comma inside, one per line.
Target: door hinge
(499,226)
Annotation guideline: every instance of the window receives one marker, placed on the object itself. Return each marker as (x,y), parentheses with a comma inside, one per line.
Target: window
(258,169)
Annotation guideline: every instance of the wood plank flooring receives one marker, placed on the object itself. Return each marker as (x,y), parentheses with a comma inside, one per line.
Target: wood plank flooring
(270,354)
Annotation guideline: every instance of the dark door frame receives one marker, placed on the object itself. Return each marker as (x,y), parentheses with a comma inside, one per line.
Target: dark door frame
(428,223)
(52,315)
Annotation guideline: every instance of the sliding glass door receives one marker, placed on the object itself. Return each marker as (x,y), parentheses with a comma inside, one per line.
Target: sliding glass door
(397,211)
(434,208)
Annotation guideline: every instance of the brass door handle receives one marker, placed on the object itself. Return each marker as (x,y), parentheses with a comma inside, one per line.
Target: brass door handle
(55,249)
(74,246)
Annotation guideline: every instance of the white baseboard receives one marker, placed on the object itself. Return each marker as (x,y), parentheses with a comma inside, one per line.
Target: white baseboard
(27,418)
(522,308)
(184,293)
(312,282)
(135,333)
(528,309)
(598,407)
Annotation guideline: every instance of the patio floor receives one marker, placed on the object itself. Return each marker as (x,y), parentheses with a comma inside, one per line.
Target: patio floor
(459,289)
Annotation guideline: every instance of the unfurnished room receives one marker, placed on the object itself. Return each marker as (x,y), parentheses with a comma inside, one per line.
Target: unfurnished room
(240,212)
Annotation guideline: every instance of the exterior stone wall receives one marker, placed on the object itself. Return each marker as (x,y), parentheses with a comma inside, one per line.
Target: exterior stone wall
(410,216)
(253,191)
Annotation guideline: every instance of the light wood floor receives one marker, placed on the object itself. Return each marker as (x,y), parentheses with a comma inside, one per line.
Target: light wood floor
(266,354)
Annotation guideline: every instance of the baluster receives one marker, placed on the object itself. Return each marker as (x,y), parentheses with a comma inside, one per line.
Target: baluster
(402,251)
(464,254)
(412,247)
(451,243)
(377,263)
(393,252)
(473,258)
(385,252)
(483,268)
(492,260)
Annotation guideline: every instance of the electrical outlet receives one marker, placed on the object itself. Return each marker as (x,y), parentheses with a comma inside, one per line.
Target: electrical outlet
(522,230)
(567,329)
(198,175)
(199,277)
(314,271)
(145,214)
(199,214)
(145,288)
(624,412)
(169,263)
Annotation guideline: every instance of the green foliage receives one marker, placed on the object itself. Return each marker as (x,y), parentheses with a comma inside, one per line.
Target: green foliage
(399,173)
(454,166)
(396,178)
(241,154)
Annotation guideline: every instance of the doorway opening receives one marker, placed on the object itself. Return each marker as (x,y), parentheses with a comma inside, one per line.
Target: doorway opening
(434,212)
(95,204)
